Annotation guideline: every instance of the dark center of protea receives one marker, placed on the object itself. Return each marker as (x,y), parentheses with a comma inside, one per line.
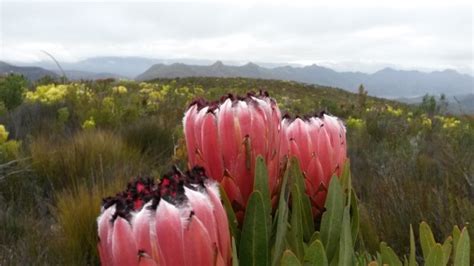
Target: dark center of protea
(137,193)
(213,105)
(142,190)
(291,118)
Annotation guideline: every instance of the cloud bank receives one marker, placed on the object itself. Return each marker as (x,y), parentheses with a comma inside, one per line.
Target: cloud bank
(368,37)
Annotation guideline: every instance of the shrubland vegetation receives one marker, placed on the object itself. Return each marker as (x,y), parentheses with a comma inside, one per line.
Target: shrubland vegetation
(65,146)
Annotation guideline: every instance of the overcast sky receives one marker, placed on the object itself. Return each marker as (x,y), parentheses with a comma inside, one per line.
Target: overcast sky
(425,35)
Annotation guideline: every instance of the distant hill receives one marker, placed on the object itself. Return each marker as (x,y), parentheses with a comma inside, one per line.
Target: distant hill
(124,67)
(31,73)
(457,104)
(463,104)
(35,73)
(120,66)
(85,75)
(394,83)
(388,83)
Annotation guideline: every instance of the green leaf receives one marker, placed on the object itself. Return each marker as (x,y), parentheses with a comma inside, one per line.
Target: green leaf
(462,249)
(308,222)
(388,255)
(346,250)
(346,182)
(307,215)
(316,255)
(456,236)
(254,241)
(235,259)
(447,247)
(355,219)
(261,184)
(435,258)
(331,221)
(379,258)
(315,236)
(282,220)
(426,239)
(361,260)
(346,177)
(289,259)
(405,261)
(412,258)
(296,230)
(335,259)
(233,222)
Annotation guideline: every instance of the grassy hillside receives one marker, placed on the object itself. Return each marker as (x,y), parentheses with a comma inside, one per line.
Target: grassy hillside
(65,146)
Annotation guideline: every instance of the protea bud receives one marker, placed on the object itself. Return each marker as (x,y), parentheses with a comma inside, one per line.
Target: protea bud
(226,136)
(319,143)
(179,221)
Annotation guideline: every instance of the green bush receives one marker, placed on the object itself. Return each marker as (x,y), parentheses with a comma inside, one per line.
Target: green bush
(12,88)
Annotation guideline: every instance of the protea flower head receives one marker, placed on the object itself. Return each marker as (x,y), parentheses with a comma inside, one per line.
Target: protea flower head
(226,136)
(319,143)
(178,221)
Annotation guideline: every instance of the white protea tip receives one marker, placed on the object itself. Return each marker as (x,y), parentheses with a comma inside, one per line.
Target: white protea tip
(178,221)
(226,136)
(319,143)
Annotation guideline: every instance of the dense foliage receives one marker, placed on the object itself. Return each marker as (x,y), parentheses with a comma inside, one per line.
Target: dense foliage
(60,143)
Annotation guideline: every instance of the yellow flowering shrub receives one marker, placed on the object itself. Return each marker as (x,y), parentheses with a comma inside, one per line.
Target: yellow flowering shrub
(448,122)
(3,134)
(108,103)
(119,90)
(89,123)
(9,149)
(372,109)
(394,111)
(426,121)
(154,94)
(50,94)
(82,92)
(355,123)
(47,94)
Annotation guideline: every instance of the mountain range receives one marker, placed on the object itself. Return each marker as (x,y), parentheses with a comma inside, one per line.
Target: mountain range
(114,66)
(387,83)
(32,73)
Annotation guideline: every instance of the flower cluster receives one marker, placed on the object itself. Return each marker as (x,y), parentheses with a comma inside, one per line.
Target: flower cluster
(50,94)
(225,138)
(119,90)
(319,143)
(227,135)
(177,221)
(3,134)
(180,220)
(448,122)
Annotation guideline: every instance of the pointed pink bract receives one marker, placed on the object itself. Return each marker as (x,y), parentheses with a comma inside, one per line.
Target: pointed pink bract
(124,248)
(169,234)
(320,146)
(199,249)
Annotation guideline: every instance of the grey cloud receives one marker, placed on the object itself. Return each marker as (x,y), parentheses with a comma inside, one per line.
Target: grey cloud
(434,36)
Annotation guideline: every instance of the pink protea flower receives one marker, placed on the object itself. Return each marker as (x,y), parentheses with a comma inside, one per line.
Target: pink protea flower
(319,143)
(179,221)
(226,136)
